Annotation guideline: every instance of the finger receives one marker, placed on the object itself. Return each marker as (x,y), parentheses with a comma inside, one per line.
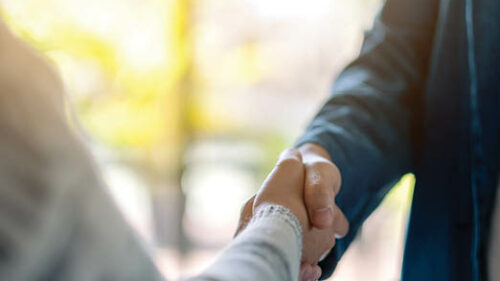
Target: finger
(317,271)
(316,242)
(308,272)
(321,183)
(290,153)
(246,215)
(287,173)
(341,224)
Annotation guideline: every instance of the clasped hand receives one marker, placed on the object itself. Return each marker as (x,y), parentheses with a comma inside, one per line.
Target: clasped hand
(305,181)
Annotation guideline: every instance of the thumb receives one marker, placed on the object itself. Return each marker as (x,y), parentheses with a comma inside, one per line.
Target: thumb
(246,215)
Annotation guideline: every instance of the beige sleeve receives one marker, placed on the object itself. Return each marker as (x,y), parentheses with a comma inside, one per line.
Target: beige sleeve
(57,221)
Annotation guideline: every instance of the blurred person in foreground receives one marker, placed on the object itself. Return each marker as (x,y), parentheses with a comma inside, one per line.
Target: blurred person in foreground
(422,97)
(57,221)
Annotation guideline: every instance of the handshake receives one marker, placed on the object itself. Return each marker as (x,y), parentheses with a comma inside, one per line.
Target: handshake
(305,181)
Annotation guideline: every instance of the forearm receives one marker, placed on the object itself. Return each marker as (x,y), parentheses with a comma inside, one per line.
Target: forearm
(268,249)
(57,222)
(369,124)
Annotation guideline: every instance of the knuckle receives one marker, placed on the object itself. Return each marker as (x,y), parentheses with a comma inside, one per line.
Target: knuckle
(324,165)
(289,163)
(289,151)
(327,167)
(328,172)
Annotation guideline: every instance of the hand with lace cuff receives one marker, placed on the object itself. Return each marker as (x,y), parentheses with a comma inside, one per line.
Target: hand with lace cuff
(285,186)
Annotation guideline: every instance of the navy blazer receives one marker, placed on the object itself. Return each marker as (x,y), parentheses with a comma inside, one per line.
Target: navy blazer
(422,97)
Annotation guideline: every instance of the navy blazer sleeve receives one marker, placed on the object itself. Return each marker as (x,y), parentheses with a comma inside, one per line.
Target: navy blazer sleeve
(367,123)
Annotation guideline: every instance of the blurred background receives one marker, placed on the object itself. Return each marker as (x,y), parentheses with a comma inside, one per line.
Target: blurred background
(187,104)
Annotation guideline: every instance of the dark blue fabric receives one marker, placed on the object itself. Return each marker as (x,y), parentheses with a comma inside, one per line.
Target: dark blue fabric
(407,104)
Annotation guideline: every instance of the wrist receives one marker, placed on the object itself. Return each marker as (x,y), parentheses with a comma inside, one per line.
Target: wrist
(294,204)
(269,209)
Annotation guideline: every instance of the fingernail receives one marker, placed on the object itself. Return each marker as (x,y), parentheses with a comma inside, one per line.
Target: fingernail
(324,215)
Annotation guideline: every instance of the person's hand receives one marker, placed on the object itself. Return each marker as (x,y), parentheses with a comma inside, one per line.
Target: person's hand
(321,184)
(287,178)
(308,271)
